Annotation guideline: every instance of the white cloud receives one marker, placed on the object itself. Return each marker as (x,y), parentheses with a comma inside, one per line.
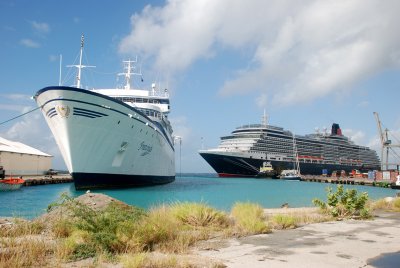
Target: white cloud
(16,96)
(54,58)
(261,101)
(181,128)
(301,50)
(29,43)
(363,104)
(11,107)
(357,136)
(40,27)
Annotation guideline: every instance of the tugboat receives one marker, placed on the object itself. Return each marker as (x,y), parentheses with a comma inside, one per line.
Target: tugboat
(267,171)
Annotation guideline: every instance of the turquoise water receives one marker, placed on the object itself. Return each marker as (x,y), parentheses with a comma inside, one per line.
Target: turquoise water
(32,201)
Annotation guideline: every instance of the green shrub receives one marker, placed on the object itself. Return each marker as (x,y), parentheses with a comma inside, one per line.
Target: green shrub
(344,204)
(101,227)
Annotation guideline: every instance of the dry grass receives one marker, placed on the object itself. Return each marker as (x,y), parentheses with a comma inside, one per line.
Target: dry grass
(146,260)
(157,228)
(385,204)
(199,215)
(173,228)
(282,221)
(157,260)
(21,245)
(26,252)
(249,219)
(288,218)
(21,227)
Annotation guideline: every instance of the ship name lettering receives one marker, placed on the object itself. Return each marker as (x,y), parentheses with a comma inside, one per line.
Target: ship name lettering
(145,148)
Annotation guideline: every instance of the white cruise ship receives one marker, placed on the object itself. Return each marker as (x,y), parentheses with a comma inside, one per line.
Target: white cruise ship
(111,137)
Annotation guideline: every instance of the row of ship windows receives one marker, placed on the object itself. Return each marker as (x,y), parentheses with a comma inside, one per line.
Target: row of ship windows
(334,153)
(285,147)
(300,142)
(326,160)
(142,100)
(152,113)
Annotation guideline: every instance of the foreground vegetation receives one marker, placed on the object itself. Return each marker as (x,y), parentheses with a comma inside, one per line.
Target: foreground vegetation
(74,231)
(345,203)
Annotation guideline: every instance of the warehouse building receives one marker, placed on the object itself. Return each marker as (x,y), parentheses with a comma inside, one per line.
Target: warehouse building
(18,159)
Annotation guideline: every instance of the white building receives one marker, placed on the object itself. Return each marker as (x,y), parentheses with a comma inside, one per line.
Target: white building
(19,159)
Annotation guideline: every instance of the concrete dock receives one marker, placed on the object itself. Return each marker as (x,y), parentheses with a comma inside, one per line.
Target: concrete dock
(346,180)
(47,179)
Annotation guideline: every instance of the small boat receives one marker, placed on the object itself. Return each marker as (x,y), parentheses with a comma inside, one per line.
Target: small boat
(11,184)
(267,170)
(292,174)
(396,185)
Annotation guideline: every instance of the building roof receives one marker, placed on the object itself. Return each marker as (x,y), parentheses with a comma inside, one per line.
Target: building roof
(17,147)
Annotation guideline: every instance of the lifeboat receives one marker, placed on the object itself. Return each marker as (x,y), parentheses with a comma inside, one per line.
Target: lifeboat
(11,184)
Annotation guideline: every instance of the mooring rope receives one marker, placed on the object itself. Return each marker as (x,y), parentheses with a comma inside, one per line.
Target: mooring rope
(19,116)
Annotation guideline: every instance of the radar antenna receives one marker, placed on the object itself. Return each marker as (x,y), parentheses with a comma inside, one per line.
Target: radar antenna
(129,71)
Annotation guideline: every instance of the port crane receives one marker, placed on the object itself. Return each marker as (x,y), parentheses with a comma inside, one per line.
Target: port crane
(386,144)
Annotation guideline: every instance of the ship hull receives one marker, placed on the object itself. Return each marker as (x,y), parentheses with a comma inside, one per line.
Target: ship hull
(105,142)
(227,165)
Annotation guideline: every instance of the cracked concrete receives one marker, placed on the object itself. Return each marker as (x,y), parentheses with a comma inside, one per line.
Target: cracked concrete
(350,243)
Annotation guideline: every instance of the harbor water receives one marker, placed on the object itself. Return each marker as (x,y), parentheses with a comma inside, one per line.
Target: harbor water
(221,193)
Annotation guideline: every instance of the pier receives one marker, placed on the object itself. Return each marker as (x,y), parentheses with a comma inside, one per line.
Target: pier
(346,180)
(49,179)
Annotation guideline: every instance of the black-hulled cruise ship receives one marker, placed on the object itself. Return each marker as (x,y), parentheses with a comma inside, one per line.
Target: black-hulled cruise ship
(242,153)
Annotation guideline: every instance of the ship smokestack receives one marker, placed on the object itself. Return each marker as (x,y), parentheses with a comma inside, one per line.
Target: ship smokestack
(336,129)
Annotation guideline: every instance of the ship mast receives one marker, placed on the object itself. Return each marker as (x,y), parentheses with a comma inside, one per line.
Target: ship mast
(80,66)
(129,71)
(296,163)
(265,119)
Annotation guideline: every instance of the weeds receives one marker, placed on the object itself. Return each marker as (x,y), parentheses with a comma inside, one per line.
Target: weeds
(387,205)
(24,253)
(199,214)
(281,221)
(22,228)
(249,219)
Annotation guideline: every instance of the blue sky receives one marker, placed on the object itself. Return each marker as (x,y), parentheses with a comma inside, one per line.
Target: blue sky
(307,63)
